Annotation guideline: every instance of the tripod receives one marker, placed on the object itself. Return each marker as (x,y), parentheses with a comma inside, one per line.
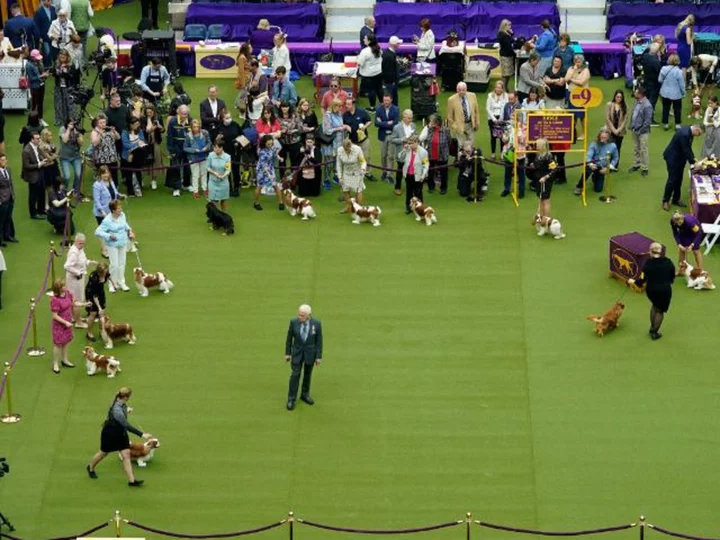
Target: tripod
(5,522)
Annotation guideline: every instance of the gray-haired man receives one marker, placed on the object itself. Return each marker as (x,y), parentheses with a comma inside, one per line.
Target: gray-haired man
(303,349)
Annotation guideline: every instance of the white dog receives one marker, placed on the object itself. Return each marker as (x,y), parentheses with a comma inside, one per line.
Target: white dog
(696,279)
(298,205)
(95,362)
(144,281)
(550,225)
(365,214)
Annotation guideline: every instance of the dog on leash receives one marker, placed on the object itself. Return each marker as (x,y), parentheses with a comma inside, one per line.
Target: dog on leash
(546,224)
(142,452)
(697,278)
(219,219)
(422,211)
(95,362)
(365,214)
(298,205)
(696,105)
(608,321)
(145,281)
(110,332)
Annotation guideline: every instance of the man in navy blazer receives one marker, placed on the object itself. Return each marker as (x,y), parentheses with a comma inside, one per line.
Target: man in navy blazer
(676,155)
(44,16)
(303,349)
(19,28)
(387,116)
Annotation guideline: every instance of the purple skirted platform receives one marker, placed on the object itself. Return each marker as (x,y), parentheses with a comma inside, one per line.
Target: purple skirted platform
(475,21)
(622,19)
(301,22)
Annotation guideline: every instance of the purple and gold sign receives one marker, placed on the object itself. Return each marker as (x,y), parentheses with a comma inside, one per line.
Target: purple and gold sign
(217,62)
(556,128)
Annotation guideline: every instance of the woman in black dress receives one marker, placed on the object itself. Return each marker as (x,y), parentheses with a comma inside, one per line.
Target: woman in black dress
(95,296)
(114,437)
(59,211)
(658,275)
(544,171)
(230,131)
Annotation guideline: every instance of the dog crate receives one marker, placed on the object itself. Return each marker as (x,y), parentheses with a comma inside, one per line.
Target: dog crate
(161,44)
(628,253)
(452,70)
(423,89)
(477,74)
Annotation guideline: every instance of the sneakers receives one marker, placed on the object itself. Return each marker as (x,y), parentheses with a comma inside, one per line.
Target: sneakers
(666,127)
(111,287)
(196,195)
(644,173)
(578,191)
(634,168)
(176,193)
(187,188)
(153,185)
(124,288)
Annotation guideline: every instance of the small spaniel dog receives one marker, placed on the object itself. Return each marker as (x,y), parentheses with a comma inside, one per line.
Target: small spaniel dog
(697,278)
(297,205)
(143,452)
(608,321)
(365,214)
(696,105)
(423,212)
(95,362)
(545,224)
(145,281)
(219,219)
(110,331)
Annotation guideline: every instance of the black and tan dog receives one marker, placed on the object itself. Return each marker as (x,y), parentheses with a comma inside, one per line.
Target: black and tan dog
(219,219)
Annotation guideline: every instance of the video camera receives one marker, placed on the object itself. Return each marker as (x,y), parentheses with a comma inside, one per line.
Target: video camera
(100,56)
(80,95)
(4,467)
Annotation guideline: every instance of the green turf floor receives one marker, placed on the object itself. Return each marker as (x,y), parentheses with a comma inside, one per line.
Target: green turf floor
(460,373)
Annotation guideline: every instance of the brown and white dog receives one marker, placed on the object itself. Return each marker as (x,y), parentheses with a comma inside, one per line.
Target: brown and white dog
(608,321)
(110,331)
(365,214)
(423,212)
(546,224)
(696,105)
(95,362)
(143,452)
(697,278)
(297,205)
(144,281)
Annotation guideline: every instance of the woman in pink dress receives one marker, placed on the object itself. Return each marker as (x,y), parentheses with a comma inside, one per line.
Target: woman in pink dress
(61,305)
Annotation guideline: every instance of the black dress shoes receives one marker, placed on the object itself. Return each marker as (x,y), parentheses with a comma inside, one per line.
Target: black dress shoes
(12,240)
(38,217)
(308,400)
(3,244)
(136,483)
(92,474)
(290,404)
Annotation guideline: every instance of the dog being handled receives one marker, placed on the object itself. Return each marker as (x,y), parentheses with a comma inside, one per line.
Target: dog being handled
(110,332)
(608,321)
(697,278)
(219,219)
(365,214)
(423,212)
(546,224)
(95,362)
(298,205)
(142,452)
(144,281)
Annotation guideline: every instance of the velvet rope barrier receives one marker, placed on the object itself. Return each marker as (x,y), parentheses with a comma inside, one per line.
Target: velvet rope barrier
(218,535)
(677,534)
(380,531)
(71,537)
(555,533)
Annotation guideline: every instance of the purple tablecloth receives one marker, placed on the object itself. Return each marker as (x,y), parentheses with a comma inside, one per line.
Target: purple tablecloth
(706,213)
(622,19)
(475,21)
(301,22)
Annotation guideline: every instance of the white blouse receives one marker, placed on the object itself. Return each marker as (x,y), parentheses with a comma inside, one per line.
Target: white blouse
(712,118)
(281,57)
(368,63)
(77,262)
(495,105)
(426,46)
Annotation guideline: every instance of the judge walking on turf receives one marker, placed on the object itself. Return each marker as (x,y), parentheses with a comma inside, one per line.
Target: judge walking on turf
(303,349)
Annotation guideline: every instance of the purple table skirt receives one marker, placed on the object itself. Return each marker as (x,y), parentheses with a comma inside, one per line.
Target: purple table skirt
(623,19)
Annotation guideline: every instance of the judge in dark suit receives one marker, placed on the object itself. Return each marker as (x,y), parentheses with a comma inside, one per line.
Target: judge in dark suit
(303,348)
(21,30)
(7,202)
(44,16)
(32,164)
(676,155)
(211,112)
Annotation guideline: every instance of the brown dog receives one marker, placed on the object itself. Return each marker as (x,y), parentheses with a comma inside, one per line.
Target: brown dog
(110,331)
(95,362)
(608,321)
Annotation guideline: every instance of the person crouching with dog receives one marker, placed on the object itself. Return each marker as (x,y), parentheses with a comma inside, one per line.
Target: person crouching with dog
(114,437)
(688,236)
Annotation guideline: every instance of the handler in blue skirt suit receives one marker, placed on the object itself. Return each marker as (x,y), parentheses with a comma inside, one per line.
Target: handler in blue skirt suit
(304,348)
(688,236)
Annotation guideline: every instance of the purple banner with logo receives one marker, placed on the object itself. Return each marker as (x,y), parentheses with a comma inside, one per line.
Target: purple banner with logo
(556,128)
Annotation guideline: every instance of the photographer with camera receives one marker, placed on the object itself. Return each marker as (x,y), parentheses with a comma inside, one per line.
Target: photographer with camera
(66,77)
(60,32)
(132,140)
(104,139)
(71,139)
(154,80)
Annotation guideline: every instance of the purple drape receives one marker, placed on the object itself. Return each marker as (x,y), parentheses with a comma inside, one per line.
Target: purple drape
(651,19)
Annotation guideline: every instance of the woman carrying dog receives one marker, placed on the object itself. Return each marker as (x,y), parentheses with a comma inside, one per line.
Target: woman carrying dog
(115,232)
(95,297)
(688,236)
(114,437)
(658,275)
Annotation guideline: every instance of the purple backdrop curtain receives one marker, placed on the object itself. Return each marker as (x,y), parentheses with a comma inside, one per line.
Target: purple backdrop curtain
(622,19)
(301,22)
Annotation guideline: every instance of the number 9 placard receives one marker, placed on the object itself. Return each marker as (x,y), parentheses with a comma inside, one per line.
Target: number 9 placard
(586,98)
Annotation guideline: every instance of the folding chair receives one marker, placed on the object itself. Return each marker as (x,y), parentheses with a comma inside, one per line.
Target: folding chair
(712,233)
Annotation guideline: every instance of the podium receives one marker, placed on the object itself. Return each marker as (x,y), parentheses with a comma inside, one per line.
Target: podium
(628,253)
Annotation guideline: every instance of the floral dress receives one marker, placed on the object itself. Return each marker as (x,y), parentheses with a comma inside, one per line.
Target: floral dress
(265,170)
(62,305)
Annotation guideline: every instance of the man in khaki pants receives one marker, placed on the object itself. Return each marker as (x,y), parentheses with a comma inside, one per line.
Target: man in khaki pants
(463,116)
(640,122)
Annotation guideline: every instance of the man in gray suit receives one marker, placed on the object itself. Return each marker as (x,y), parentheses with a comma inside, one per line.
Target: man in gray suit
(303,348)
(32,173)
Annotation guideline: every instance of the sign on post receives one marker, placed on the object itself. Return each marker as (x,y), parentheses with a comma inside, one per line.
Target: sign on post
(554,127)
(586,98)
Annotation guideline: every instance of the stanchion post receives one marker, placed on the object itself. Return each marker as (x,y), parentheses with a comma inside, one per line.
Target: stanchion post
(642,527)
(9,417)
(49,292)
(118,524)
(291,524)
(584,176)
(608,197)
(468,524)
(34,350)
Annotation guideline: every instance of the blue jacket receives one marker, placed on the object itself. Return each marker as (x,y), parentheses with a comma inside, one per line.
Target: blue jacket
(14,28)
(33,74)
(118,227)
(598,154)
(568,55)
(641,116)
(288,92)
(382,117)
(680,151)
(127,146)
(176,135)
(42,23)
(546,43)
(672,82)
(197,147)
(102,198)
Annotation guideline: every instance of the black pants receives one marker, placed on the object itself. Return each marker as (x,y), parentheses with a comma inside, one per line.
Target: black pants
(37,98)
(618,143)
(128,176)
(398,175)
(412,189)
(677,110)
(289,151)
(297,368)
(598,180)
(36,198)
(652,93)
(147,6)
(673,186)
(373,86)
(493,139)
(7,226)
(178,175)
(443,175)
(561,174)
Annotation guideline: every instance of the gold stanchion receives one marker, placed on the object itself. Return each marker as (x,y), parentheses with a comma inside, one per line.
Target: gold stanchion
(49,292)
(291,523)
(9,417)
(118,523)
(34,350)
(607,198)
(642,527)
(468,523)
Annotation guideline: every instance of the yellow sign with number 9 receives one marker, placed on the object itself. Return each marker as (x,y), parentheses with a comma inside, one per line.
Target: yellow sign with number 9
(586,98)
